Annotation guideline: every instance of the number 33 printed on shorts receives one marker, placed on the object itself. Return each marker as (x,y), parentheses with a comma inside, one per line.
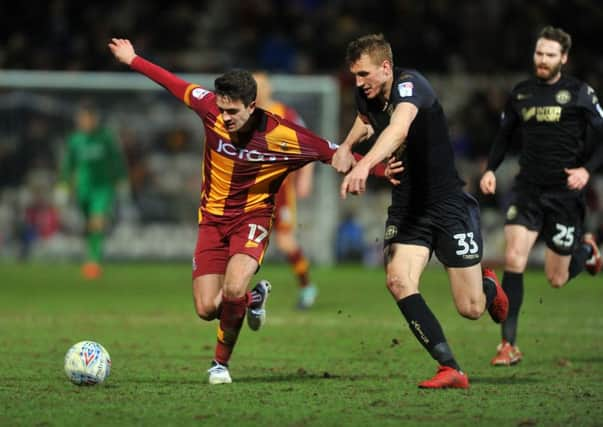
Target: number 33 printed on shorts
(466,244)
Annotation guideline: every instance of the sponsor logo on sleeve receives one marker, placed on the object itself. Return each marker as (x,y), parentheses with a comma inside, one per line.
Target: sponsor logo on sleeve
(199,93)
(405,89)
(390,232)
(332,145)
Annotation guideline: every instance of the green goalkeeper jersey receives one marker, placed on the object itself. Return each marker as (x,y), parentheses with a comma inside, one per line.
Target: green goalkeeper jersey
(92,161)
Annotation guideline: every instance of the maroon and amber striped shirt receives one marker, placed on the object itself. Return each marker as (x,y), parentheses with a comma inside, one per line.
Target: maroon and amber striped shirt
(240,179)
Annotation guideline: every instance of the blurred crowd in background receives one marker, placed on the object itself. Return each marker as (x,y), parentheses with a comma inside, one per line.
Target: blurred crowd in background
(449,41)
(296,36)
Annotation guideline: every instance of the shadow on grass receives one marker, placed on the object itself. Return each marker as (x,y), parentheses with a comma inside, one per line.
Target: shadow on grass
(510,380)
(267,378)
(295,377)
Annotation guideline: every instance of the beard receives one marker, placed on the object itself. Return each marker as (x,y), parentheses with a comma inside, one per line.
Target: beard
(549,73)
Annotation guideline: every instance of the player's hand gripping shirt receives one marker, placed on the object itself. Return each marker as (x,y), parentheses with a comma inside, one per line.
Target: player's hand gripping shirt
(427,152)
(244,177)
(552,119)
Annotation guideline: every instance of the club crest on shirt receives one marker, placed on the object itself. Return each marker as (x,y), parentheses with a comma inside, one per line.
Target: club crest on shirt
(405,89)
(512,212)
(563,97)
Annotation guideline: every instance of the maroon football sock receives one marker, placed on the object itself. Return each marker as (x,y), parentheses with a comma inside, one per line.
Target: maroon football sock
(231,320)
(300,266)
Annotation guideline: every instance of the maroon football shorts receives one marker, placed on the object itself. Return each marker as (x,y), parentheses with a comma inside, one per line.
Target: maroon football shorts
(217,241)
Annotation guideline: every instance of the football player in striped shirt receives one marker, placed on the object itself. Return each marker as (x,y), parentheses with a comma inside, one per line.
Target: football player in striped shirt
(248,153)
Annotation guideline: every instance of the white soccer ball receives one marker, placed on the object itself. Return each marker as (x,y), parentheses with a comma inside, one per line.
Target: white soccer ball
(87,363)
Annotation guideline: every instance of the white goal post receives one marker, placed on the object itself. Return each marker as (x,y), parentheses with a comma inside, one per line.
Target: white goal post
(127,99)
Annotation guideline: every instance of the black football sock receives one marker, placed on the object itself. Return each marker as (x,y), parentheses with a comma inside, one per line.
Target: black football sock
(427,329)
(489,290)
(513,286)
(579,257)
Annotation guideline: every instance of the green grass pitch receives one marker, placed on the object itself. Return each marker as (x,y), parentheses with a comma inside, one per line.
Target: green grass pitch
(350,361)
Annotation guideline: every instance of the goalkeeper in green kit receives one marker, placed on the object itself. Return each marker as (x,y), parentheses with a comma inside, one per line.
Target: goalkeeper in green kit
(93,167)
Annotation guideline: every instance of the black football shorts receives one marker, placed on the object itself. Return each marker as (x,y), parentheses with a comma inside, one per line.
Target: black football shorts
(558,215)
(449,227)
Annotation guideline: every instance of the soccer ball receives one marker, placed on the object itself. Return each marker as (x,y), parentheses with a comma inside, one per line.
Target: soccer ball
(87,363)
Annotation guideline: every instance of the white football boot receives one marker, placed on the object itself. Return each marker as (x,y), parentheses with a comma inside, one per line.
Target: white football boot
(307,296)
(218,374)
(256,312)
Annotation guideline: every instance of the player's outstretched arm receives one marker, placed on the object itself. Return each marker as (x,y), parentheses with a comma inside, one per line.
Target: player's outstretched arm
(123,50)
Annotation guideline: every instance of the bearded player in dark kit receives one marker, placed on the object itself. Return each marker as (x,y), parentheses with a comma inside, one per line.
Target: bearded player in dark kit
(552,111)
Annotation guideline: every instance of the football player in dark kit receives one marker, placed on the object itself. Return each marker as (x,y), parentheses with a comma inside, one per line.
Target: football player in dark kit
(551,111)
(429,210)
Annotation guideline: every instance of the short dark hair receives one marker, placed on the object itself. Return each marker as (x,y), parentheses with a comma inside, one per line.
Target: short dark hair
(374,45)
(557,34)
(237,85)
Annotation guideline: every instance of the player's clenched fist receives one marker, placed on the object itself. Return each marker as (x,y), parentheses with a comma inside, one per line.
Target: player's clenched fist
(488,183)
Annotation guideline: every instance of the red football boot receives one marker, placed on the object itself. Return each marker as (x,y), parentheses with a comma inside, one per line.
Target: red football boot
(446,377)
(506,355)
(499,308)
